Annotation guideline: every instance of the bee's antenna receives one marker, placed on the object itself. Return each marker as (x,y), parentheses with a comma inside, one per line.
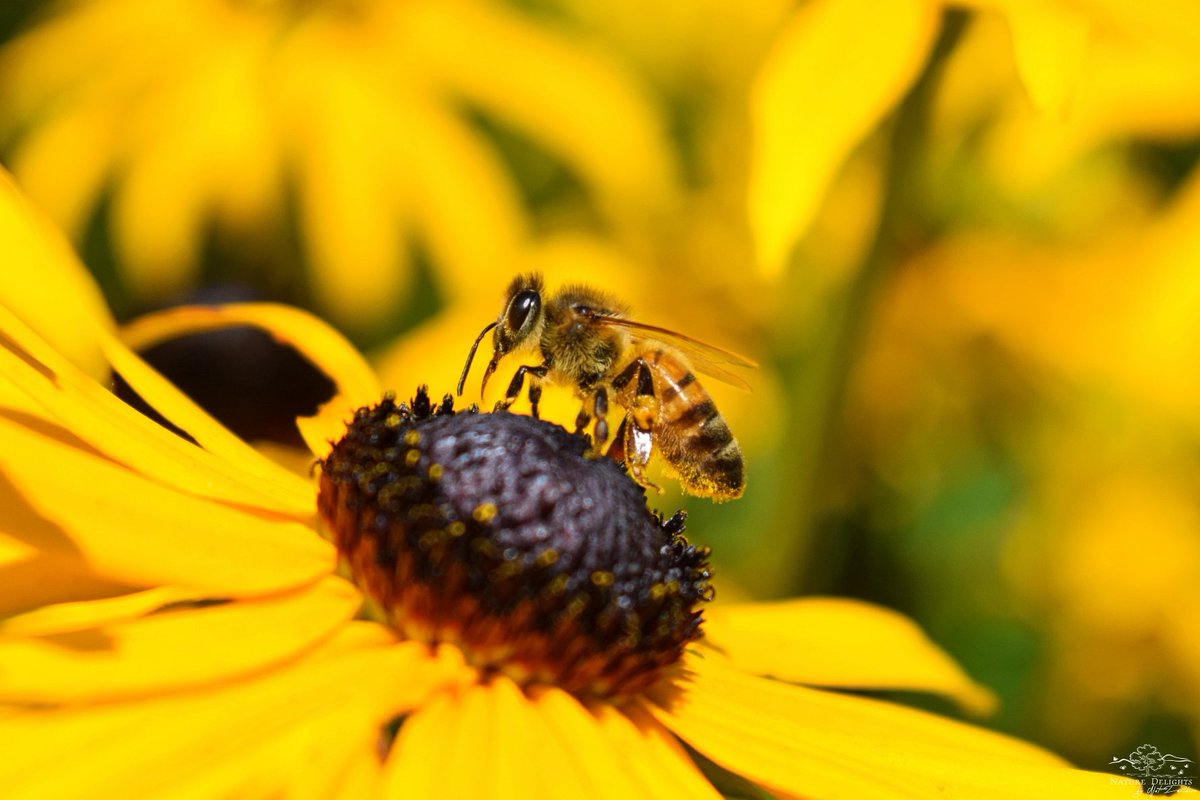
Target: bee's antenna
(462,380)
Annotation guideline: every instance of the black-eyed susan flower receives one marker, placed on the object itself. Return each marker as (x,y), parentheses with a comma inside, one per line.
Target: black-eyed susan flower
(171,622)
(192,114)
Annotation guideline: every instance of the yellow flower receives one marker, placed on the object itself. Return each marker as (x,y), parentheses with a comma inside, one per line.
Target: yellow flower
(171,621)
(1088,71)
(1072,356)
(195,111)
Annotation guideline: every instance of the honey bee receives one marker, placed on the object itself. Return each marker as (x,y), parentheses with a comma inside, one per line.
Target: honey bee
(586,342)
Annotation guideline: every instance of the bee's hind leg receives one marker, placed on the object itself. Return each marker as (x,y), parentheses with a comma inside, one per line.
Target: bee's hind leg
(632,446)
(635,387)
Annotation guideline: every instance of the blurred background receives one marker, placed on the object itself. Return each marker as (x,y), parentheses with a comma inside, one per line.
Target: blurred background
(962,240)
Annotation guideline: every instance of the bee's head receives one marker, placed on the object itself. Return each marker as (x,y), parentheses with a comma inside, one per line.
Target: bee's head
(521,321)
(522,318)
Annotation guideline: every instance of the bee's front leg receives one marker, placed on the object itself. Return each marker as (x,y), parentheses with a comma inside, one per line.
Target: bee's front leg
(518,380)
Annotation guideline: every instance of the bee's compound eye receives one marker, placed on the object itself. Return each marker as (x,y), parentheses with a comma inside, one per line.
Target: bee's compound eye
(522,310)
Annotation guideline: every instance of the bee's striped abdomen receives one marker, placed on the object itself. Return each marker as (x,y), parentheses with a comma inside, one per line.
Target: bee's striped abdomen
(691,434)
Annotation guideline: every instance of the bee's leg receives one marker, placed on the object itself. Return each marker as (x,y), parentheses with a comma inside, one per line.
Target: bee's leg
(643,410)
(535,395)
(638,445)
(600,410)
(595,406)
(634,441)
(623,377)
(584,416)
(616,450)
(518,380)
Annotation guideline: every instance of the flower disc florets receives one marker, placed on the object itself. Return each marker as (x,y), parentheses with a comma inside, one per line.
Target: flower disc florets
(506,535)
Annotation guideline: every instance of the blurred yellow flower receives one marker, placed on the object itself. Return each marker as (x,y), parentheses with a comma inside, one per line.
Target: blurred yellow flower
(1074,353)
(194,112)
(169,619)
(61,302)
(1088,72)
(1137,76)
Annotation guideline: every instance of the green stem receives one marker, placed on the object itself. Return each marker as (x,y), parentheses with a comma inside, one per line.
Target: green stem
(817,381)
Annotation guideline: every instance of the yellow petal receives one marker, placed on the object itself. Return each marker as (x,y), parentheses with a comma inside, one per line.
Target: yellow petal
(158,217)
(835,642)
(510,751)
(1050,44)
(361,777)
(174,649)
(48,577)
(253,738)
(658,763)
(565,96)
(55,391)
(817,744)
(81,615)
(415,765)
(13,551)
(494,741)
(135,531)
(475,234)
(476,743)
(44,284)
(335,107)
(97,35)
(324,347)
(579,760)
(63,163)
(242,162)
(263,473)
(836,70)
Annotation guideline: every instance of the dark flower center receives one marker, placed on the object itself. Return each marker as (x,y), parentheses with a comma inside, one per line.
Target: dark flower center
(507,536)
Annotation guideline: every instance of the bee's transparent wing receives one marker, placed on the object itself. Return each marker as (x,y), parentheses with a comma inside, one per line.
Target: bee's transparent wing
(704,358)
